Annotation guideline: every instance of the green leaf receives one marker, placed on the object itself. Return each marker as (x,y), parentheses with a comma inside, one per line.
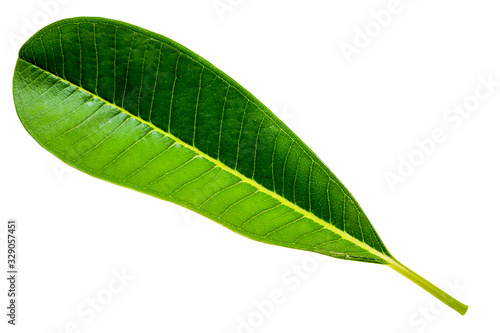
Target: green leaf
(139,110)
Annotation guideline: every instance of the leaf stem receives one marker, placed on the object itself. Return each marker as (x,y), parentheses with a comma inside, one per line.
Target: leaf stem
(429,287)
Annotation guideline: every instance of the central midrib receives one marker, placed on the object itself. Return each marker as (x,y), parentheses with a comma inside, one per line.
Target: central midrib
(236,173)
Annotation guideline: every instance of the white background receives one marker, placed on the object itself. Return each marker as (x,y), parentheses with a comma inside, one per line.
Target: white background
(360,116)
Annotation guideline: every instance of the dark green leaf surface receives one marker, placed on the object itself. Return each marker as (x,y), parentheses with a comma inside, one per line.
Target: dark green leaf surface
(137,109)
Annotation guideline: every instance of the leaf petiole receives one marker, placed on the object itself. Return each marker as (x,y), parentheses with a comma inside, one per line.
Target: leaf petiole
(426,285)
